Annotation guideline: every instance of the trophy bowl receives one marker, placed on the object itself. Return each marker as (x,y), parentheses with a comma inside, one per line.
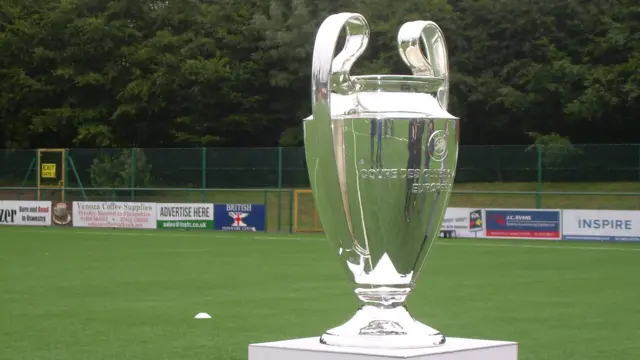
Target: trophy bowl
(381,153)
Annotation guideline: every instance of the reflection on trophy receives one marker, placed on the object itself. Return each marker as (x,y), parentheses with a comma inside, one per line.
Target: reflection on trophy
(414,150)
(61,214)
(376,143)
(381,206)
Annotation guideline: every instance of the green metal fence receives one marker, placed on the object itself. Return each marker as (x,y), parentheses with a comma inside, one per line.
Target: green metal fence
(578,176)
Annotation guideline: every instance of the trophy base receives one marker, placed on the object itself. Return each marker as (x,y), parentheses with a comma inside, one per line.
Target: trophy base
(374,327)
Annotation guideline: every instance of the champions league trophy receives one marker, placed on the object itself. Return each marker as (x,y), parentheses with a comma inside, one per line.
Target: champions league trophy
(381,152)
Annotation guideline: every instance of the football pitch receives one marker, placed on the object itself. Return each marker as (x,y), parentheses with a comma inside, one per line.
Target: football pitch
(77,294)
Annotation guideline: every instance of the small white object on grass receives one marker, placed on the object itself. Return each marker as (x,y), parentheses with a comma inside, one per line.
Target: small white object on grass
(203,316)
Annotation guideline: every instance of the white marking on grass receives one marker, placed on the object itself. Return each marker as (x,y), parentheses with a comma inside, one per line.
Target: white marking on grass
(240,237)
(202,316)
(577,247)
(287,238)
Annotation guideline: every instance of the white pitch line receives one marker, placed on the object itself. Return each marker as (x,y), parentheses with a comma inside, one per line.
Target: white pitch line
(173,234)
(306,239)
(541,246)
(287,238)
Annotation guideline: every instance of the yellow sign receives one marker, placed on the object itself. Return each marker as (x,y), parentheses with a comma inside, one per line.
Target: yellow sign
(48,171)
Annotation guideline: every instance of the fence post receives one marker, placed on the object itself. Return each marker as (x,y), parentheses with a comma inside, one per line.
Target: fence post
(539,181)
(638,162)
(204,174)
(65,176)
(290,211)
(133,173)
(266,210)
(279,186)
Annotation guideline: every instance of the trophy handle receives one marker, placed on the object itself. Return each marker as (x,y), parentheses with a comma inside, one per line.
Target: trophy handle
(331,74)
(436,61)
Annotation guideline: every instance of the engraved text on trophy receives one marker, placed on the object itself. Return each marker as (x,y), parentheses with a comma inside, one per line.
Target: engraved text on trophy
(426,180)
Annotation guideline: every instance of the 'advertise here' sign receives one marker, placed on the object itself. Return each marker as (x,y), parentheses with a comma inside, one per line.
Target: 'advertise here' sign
(185,216)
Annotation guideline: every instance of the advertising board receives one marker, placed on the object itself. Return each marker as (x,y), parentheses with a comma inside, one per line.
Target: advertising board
(128,215)
(184,216)
(601,225)
(29,213)
(466,222)
(62,213)
(523,224)
(239,217)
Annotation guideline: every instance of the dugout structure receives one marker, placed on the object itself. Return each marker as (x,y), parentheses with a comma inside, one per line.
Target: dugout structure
(305,214)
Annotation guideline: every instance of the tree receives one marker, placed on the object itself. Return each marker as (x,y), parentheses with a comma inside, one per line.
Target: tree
(149,73)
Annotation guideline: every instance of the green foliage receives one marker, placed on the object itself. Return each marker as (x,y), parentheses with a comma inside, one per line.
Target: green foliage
(143,73)
(292,136)
(555,149)
(129,169)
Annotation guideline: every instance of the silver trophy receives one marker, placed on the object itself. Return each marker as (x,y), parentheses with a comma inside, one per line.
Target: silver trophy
(381,152)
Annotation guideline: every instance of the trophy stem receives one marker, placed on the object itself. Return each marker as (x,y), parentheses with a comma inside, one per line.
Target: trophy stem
(384,297)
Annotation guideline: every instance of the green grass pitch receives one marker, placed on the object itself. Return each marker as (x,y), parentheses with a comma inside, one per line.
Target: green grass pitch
(78,294)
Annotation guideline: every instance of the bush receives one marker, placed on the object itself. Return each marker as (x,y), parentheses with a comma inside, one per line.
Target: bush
(556,149)
(116,172)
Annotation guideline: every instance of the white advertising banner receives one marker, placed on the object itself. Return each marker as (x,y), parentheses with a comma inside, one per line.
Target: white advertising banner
(33,213)
(466,222)
(601,225)
(185,216)
(127,215)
